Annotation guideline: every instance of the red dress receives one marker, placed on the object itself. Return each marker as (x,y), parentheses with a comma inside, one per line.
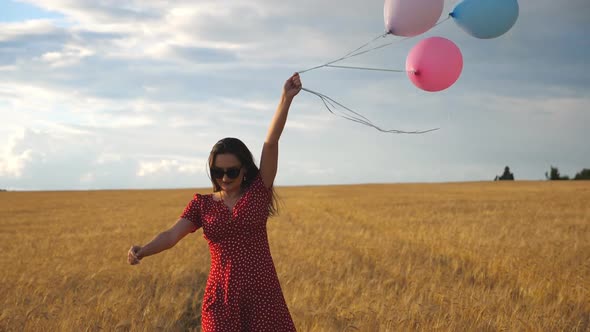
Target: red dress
(243,291)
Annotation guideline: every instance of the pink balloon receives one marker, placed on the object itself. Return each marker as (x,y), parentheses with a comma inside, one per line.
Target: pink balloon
(434,64)
(411,17)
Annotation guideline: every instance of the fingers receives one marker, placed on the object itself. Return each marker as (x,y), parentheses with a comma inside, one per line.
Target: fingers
(131,259)
(296,80)
(292,86)
(132,255)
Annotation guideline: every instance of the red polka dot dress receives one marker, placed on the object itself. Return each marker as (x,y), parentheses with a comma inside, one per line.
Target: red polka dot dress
(243,291)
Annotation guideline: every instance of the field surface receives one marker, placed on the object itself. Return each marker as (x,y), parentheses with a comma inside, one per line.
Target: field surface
(426,257)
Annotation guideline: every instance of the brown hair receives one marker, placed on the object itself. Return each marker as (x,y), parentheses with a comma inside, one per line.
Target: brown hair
(230,145)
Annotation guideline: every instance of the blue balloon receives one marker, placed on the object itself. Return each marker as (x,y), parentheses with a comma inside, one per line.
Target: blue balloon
(486,18)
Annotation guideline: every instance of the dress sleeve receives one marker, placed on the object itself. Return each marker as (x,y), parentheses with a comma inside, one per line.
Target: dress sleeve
(259,189)
(192,212)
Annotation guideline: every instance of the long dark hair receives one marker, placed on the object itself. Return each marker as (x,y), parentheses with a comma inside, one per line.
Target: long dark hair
(236,147)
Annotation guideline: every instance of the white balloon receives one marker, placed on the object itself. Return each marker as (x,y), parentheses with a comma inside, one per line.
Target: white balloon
(411,17)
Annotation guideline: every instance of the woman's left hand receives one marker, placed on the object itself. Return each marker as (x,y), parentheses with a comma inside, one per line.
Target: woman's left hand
(292,86)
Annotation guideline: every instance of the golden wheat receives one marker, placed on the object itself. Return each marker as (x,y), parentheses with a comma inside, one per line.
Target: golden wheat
(427,257)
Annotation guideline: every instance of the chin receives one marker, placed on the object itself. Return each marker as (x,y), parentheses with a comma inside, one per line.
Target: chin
(227,186)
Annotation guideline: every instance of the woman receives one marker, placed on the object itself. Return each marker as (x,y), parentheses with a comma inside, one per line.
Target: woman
(243,291)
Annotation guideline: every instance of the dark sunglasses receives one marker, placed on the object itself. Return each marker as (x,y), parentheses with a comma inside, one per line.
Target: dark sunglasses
(231,172)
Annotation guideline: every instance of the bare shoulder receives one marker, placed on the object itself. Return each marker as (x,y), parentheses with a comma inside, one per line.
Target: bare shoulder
(216,196)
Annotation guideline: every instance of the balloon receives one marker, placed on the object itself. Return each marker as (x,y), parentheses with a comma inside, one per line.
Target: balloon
(486,18)
(434,64)
(411,17)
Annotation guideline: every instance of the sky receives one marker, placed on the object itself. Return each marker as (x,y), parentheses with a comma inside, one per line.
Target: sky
(100,95)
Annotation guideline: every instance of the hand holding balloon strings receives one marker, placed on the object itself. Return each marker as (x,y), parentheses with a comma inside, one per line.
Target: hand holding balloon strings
(435,63)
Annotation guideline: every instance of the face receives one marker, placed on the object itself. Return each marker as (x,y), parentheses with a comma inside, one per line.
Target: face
(230,164)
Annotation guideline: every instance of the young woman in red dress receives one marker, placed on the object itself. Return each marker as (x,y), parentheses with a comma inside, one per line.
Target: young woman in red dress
(243,291)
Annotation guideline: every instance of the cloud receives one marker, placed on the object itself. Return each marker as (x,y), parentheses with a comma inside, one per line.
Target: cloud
(22,41)
(33,30)
(13,162)
(196,32)
(52,160)
(190,166)
(36,43)
(45,159)
(310,122)
(69,55)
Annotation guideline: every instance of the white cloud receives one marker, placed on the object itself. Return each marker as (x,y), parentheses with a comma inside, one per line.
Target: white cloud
(70,55)
(150,168)
(254,105)
(105,158)
(310,122)
(187,32)
(147,167)
(88,178)
(29,28)
(12,163)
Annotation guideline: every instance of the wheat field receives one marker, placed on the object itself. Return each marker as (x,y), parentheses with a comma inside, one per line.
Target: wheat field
(426,257)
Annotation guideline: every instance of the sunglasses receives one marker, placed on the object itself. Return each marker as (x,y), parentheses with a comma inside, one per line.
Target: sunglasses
(231,172)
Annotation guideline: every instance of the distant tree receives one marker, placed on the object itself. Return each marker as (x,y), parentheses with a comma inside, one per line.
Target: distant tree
(506,175)
(583,175)
(553,174)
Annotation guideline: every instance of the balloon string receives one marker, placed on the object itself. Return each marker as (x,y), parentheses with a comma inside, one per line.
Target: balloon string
(332,105)
(376,69)
(393,42)
(345,56)
(366,44)
(357,51)
(378,47)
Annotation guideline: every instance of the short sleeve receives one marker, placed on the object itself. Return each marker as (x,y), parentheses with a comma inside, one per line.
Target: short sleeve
(259,189)
(192,212)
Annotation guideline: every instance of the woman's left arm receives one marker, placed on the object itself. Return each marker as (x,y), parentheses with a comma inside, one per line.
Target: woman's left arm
(270,150)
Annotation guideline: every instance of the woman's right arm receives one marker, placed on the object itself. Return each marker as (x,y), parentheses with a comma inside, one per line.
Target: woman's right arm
(161,242)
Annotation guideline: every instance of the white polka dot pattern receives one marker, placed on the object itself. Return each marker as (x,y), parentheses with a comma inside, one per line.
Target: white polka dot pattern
(243,292)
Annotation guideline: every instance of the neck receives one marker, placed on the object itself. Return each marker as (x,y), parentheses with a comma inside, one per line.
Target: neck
(231,194)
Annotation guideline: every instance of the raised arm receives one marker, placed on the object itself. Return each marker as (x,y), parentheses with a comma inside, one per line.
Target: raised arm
(270,150)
